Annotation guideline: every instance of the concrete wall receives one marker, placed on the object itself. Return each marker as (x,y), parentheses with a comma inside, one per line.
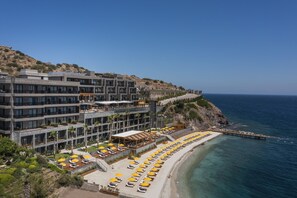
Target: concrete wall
(83,169)
(178,133)
(117,156)
(161,139)
(145,148)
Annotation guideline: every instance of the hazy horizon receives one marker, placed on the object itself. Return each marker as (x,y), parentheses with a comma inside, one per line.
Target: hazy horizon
(225,47)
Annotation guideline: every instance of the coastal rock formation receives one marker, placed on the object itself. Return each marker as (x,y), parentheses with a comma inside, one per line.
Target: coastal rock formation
(198,113)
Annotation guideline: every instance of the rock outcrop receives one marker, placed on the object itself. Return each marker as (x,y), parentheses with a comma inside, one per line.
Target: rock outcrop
(198,113)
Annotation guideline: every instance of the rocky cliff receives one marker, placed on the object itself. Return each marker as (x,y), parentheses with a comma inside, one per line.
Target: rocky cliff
(198,112)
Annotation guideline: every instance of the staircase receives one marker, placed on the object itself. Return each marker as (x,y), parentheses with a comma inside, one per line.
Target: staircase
(102,164)
(170,138)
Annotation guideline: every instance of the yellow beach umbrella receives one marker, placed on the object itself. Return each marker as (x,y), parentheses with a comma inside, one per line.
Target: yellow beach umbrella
(101,147)
(149,158)
(110,144)
(104,151)
(142,165)
(145,184)
(160,162)
(131,179)
(114,148)
(63,164)
(136,158)
(75,160)
(132,162)
(135,175)
(147,179)
(139,170)
(113,180)
(146,162)
(154,170)
(87,156)
(61,159)
(158,165)
(121,145)
(119,175)
(151,174)
(74,156)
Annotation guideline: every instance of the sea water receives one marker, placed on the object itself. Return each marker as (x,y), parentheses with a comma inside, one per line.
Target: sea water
(237,167)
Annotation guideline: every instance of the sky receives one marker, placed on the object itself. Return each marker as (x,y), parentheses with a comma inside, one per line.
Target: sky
(230,46)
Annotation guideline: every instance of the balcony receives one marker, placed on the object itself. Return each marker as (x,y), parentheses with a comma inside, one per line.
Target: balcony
(4,103)
(4,90)
(28,115)
(28,103)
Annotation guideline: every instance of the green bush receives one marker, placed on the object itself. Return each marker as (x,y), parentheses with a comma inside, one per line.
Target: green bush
(203,103)
(41,160)
(6,179)
(67,180)
(9,171)
(194,116)
(8,148)
(32,168)
(22,164)
(12,65)
(56,169)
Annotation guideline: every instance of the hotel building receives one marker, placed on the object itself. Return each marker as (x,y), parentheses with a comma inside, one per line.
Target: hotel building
(33,105)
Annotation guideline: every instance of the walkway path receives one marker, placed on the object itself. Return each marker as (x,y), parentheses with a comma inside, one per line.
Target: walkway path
(186,96)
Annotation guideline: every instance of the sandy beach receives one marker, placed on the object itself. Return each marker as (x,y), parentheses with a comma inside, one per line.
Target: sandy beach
(163,184)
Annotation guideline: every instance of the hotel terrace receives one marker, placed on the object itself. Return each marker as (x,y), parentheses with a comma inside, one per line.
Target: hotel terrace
(79,107)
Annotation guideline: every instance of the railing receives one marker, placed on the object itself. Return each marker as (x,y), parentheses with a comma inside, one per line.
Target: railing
(43,91)
(28,103)
(29,115)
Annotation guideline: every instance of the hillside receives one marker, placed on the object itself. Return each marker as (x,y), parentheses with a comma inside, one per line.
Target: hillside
(12,61)
(196,112)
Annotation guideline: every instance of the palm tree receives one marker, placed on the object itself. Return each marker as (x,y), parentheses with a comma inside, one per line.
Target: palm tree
(97,124)
(137,116)
(54,134)
(71,132)
(126,118)
(111,119)
(86,129)
(117,116)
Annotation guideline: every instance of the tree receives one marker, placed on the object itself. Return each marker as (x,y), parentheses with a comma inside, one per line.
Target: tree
(86,128)
(39,188)
(8,148)
(54,134)
(111,119)
(97,124)
(126,118)
(137,116)
(117,117)
(71,132)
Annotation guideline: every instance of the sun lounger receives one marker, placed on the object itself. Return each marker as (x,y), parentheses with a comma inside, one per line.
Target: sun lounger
(112,185)
(142,190)
(129,184)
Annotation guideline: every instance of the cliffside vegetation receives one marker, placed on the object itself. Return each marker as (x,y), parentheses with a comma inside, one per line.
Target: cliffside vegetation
(197,112)
(22,171)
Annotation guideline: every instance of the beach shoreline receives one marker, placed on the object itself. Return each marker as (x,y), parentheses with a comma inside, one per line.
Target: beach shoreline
(170,188)
(161,186)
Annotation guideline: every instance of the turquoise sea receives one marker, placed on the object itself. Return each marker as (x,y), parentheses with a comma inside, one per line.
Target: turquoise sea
(236,167)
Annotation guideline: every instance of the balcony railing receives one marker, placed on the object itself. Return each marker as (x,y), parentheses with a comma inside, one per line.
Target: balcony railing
(29,115)
(28,103)
(47,91)
(4,103)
